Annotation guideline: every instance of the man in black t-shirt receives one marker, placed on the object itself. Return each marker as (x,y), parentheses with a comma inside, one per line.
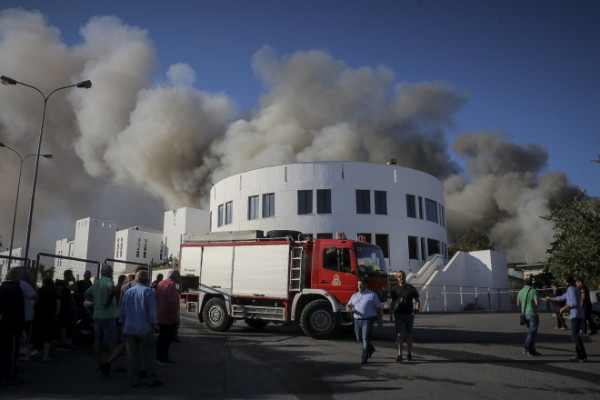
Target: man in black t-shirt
(586,303)
(402,297)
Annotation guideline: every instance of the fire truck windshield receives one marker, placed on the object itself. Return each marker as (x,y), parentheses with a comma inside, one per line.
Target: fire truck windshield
(370,260)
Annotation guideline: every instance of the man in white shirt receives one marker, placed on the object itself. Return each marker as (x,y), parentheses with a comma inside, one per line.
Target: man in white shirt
(366,307)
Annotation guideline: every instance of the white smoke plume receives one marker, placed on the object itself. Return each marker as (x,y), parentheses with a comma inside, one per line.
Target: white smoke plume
(129,148)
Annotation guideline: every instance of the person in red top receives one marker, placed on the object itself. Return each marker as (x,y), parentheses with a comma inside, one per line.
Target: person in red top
(167,308)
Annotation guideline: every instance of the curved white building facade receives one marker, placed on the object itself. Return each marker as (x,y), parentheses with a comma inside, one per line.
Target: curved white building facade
(400,209)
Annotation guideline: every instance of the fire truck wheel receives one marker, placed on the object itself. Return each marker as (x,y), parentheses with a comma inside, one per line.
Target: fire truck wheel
(317,320)
(256,323)
(216,317)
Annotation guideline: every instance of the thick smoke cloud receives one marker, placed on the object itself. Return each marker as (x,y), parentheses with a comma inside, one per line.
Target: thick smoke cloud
(129,148)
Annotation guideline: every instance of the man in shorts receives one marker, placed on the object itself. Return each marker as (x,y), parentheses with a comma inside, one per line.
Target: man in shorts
(403,295)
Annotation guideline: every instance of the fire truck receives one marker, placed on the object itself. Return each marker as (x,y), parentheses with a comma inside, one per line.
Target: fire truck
(281,277)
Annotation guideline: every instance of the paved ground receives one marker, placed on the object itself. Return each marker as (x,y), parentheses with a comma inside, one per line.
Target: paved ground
(456,356)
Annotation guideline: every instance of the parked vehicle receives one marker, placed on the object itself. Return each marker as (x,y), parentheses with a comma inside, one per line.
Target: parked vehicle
(282,277)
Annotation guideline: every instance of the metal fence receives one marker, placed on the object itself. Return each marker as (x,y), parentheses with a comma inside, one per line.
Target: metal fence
(59,264)
(459,298)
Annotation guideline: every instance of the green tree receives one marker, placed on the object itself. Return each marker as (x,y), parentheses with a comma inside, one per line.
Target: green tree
(475,239)
(576,246)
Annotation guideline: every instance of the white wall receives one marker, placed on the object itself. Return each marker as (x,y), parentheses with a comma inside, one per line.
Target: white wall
(180,221)
(149,241)
(477,279)
(94,238)
(343,178)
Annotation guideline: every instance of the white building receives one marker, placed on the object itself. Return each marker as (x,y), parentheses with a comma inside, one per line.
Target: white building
(400,209)
(94,240)
(18,252)
(137,244)
(180,221)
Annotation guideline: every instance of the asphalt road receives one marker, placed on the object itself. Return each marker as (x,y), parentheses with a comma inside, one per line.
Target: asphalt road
(456,356)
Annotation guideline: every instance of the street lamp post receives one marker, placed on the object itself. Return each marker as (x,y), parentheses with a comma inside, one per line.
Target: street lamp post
(5,80)
(12,235)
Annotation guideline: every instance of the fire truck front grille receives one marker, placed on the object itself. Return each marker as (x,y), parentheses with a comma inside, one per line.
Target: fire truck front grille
(267,313)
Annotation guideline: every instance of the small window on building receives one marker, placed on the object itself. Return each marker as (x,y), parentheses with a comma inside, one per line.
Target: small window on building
(411,209)
(268,205)
(382,241)
(421,208)
(380,202)
(145,247)
(413,248)
(137,249)
(305,202)
(253,207)
(323,201)
(228,212)
(363,202)
(220,215)
(433,247)
(431,210)
(365,237)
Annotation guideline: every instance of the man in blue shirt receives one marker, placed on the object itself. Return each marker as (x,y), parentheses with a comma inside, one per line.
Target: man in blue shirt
(576,314)
(138,316)
(366,307)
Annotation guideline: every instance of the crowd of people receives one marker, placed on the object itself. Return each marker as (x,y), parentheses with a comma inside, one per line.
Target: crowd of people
(575,300)
(136,318)
(141,319)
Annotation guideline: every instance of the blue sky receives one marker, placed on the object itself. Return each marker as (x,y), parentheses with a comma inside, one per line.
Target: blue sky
(530,67)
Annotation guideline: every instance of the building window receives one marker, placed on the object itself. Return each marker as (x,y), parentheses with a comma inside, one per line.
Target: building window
(431,210)
(423,249)
(145,247)
(363,202)
(323,201)
(380,202)
(228,212)
(433,247)
(420,207)
(220,215)
(364,237)
(382,241)
(268,209)
(442,216)
(411,209)
(253,207)
(413,248)
(305,202)
(137,250)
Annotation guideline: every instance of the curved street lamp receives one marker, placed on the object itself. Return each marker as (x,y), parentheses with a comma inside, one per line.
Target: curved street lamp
(12,235)
(5,80)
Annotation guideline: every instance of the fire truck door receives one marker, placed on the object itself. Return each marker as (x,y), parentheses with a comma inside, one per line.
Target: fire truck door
(335,273)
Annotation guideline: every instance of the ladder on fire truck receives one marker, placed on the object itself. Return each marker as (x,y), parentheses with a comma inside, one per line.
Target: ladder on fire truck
(296,275)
